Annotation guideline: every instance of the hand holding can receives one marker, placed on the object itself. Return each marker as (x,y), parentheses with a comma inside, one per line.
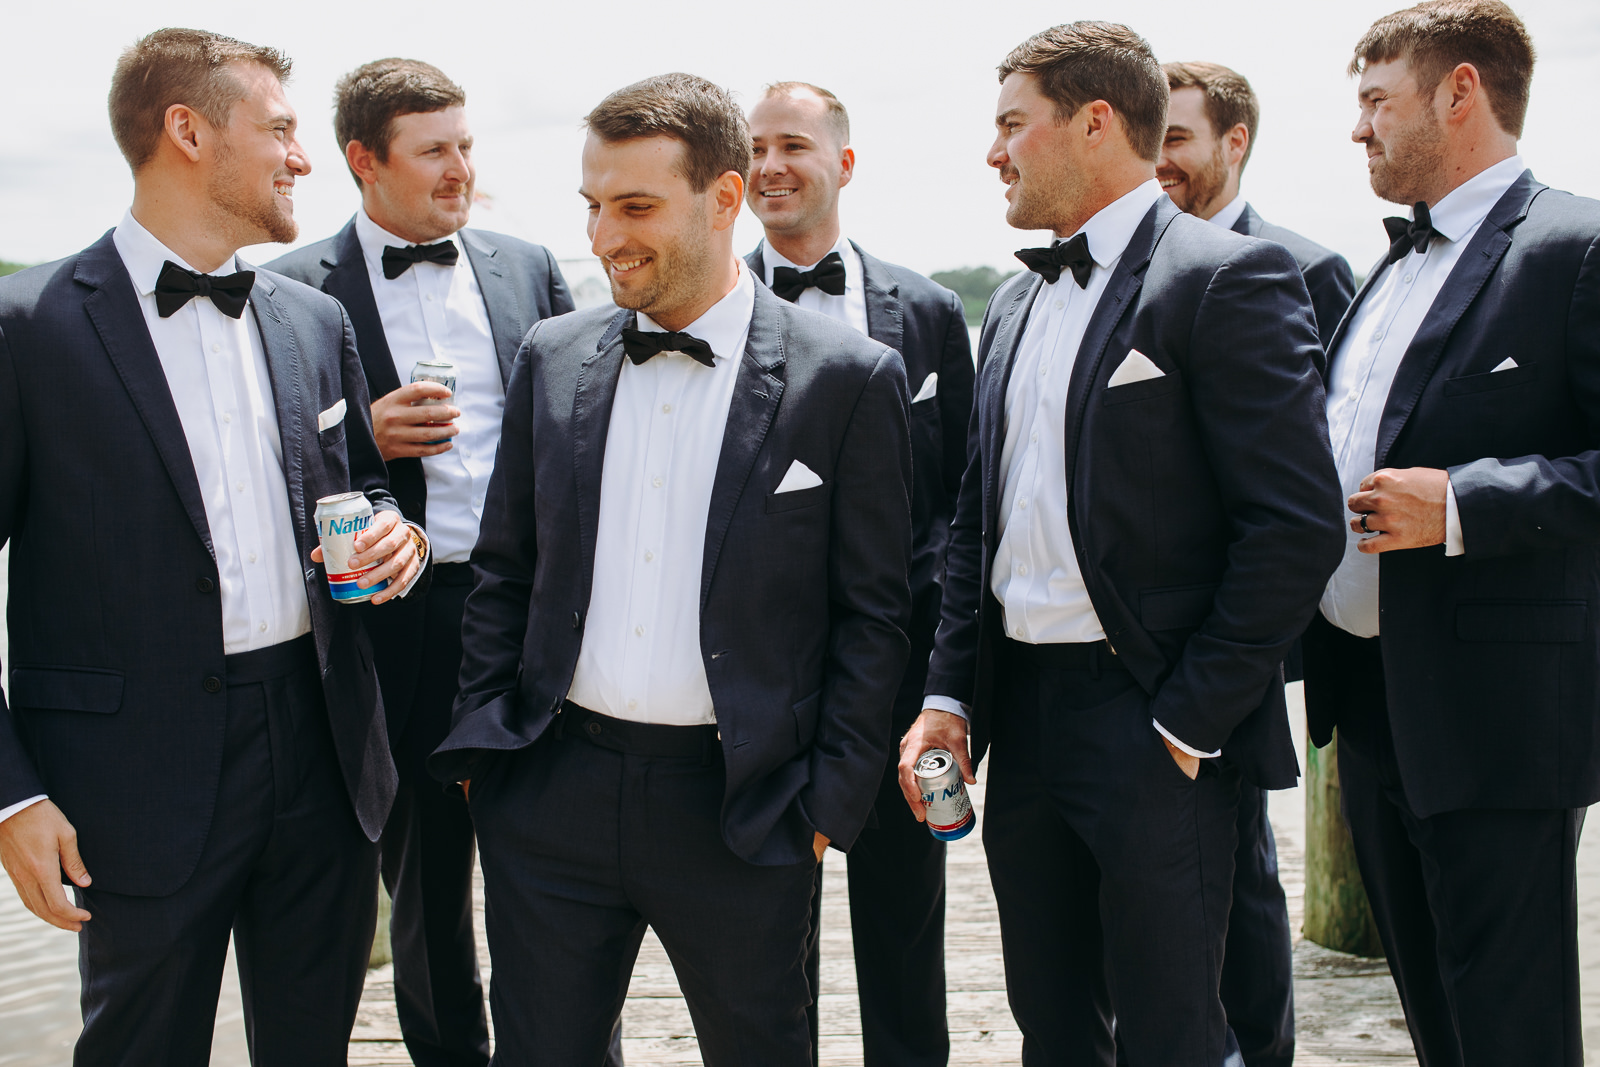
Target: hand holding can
(339,519)
(441,371)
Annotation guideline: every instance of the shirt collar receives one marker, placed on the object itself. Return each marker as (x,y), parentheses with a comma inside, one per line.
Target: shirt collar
(726,323)
(1111,228)
(1230,214)
(774,259)
(144,255)
(374,238)
(1468,204)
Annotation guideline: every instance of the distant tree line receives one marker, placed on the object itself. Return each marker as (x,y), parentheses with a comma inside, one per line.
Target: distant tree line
(10,268)
(974,285)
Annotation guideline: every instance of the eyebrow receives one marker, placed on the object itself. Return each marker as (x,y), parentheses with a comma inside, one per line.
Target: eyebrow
(622,196)
(1367,93)
(1005,116)
(1179,129)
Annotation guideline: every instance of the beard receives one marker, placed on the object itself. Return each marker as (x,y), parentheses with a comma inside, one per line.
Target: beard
(1206,184)
(1038,204)
(681,272)
(1410,161)
(259,214)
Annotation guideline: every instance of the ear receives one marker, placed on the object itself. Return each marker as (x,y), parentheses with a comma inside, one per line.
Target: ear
(1238,143)
(727,195)
(847,165)
(1097,117)
(363,161)
(1459,93)
(184,127)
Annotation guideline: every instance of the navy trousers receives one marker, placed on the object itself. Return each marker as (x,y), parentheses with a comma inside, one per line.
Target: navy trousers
(1477,909)
(896,879)
(285,869)
(1112,870)
(1258,971)
(604,827)
(427,850)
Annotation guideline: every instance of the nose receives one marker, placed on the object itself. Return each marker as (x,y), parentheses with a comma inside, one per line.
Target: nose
(297,161)
(997,157)
(1363,131)
(459,167)
(605,237)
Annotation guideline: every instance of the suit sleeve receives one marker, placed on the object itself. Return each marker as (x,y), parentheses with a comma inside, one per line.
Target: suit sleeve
(19,778)
(1259,405)
(1541,503)
(1332,286)
(560,298)
(869,557)
(955,396)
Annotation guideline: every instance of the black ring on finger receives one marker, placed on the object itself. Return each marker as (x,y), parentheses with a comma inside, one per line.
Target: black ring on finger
(1364,527)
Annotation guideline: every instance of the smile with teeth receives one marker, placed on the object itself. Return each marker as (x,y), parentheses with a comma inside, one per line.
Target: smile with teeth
(284,190)
(771,193)
(1168,183)
(623,266)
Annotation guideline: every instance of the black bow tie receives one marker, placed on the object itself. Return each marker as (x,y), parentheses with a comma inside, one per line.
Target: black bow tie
(396,261)
(1406,235)
(640,345)
(827,275)
(1048,262)
(176,286)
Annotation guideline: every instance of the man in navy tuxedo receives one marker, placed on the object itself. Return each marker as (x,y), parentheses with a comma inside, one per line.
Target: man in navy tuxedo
(1142,531)
(1456,650)
(802,159)
(689,619)
(194,733)
(418,286)
(1212,117)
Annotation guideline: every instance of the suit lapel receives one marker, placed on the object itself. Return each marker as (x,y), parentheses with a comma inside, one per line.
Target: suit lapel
(758,262)
(592,399)
(1478,261)
(289,379)
(886,322)
(755,402)
(1124,284)
(1248,222)
(114,310)
(349,283)
(994,374)
(506,320)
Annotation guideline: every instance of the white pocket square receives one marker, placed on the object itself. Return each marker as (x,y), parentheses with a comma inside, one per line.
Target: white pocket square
(800,476)
(1136,367)
(1505,364)
(930,387)
(332,417)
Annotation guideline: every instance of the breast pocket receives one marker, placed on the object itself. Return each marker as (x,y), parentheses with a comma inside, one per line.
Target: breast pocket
(332,437)
(1148,389)
(797,498)
(1468,384)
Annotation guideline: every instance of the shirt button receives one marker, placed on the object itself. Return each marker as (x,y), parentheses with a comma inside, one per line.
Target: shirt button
(1022,568)
(656,481)
(262,626)
(632,704)
(1060,304)
(1022,502)
(430,298)
(1035,436)
(477,502)
(639,630)
(239,486)
(216,348)
(227,416)
(252,557)
(1407,279)
(1017,633)
(1377,336)
(648,556)
(666,409)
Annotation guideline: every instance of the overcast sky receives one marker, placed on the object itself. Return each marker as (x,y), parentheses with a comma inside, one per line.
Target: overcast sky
(918,79)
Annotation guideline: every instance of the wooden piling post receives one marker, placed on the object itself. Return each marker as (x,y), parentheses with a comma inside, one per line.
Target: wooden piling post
(1338,915)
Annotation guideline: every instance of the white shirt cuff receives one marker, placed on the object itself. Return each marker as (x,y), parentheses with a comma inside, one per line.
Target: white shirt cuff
(422,561)
(1195,752)
(1454,545)
(950,704)
(6,813)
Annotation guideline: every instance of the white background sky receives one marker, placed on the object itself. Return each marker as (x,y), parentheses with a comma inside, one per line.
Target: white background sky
(918,79)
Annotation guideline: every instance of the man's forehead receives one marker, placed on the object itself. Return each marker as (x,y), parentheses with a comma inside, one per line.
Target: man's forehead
(645,165)
(1389,75)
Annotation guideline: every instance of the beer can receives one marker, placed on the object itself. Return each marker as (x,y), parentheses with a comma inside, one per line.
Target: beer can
(435,370)
(339,518)
(949,814)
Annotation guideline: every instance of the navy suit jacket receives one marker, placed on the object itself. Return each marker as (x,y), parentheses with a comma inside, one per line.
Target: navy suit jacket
(521,285)
(1326,272)
(1491,658)
(1204,504)
(804,599)
(924,322)
(117,682)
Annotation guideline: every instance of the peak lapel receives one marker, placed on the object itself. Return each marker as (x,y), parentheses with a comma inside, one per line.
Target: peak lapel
(755,402)
(349,283)
(886,322)
(114,310)
(994,378)
(1478,261)
(286,368)
(507,322)
(592,399)
(757,262)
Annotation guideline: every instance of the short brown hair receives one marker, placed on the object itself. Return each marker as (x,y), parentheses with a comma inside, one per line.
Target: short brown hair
(1435,37)
(368,100)
(699,114)
(178,66)
(1229,100)
(837,116)
(1080,62)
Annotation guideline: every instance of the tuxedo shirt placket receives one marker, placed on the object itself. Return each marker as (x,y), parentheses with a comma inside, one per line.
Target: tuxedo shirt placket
(850,307)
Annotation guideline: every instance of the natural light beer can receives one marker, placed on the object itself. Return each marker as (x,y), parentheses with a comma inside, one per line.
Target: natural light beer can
(339,518)
(950,815)
(435,370)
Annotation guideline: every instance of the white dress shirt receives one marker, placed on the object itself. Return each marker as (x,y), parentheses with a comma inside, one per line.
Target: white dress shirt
(434,311)
(1035,575)
(849,308)
(640,658)
(1362,370)
(1230,214)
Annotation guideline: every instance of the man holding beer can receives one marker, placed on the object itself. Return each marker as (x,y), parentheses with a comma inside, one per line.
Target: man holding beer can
(438,312)
(194,734)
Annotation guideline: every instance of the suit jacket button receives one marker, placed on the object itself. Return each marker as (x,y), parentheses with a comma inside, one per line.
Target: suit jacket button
(594,728)
(576,622)
(205,585)
(212,684)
